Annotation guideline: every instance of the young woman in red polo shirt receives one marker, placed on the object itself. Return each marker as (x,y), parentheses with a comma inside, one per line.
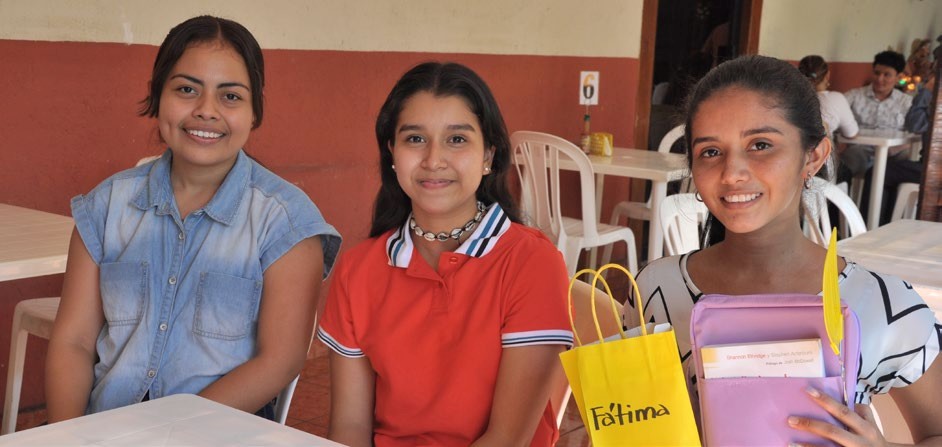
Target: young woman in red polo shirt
(446,325)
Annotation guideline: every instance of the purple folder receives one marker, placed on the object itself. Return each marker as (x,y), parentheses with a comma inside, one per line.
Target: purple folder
(752,411)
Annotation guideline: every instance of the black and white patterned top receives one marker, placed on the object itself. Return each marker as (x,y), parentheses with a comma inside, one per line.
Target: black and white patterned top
(900,335)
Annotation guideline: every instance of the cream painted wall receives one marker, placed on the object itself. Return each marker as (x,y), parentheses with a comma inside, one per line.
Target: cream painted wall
(606,28)
(845,30)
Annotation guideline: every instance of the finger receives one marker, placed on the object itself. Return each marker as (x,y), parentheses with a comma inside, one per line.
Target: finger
(823,429)
(840,411)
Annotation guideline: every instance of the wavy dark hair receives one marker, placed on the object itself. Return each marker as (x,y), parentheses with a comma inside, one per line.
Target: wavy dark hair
(205,29)
(392,205)
(781,84)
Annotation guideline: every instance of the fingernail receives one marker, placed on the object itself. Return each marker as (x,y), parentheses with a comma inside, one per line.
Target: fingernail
(792,444)
(793,421)
(813,392)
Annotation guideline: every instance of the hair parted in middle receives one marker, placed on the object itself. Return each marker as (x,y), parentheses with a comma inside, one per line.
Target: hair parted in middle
(392,205)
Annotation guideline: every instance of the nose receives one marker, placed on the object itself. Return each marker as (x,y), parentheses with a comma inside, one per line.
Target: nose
(206,108)
(735,169)
(434,156)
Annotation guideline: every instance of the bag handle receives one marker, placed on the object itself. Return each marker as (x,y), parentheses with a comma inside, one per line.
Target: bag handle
(597,276)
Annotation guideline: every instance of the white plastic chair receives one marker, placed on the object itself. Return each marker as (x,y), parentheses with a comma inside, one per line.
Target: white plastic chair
(32,316)
(585,326)
(682,218)
(642,210)
(817,216)
(537,157)
(907,196)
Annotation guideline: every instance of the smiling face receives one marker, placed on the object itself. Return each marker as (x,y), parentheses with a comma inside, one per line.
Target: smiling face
(747,161)
(439,156)
(884,79)
(206,107)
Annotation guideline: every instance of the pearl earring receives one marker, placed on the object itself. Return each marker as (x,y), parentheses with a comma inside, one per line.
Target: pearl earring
(393,167)
(487,169)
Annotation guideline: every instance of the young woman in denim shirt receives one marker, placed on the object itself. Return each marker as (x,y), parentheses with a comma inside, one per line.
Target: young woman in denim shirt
(198,272)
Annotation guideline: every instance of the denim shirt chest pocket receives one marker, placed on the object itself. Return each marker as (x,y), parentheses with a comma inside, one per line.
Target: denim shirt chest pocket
(123,287)
(226,306)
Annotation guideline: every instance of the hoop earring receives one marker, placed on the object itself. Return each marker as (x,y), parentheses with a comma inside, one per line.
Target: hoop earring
(696,195)
(808,181)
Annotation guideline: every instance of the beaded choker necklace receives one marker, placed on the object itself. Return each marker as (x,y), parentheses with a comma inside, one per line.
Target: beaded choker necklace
(454,234)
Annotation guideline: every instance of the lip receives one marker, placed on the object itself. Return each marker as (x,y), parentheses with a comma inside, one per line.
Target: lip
(740,199)
(204,135)
(432,183)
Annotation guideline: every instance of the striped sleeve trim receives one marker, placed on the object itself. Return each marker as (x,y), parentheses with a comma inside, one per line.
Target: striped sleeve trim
(345,351)
(530,338)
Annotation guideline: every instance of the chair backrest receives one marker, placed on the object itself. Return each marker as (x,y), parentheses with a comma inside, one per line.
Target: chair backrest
(682,217)
(907,196)
(670,138)
(146,160)
(585,326)
(818,217)
(537,157)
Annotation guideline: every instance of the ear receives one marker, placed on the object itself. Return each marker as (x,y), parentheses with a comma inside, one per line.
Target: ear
(817,157)
(488,158)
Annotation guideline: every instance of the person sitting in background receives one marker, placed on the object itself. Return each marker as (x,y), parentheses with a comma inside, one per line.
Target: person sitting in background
(877,106)
(918,63)
(835,111)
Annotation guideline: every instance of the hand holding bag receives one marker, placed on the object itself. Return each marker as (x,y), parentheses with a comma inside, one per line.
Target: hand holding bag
(738,411)
(631,391)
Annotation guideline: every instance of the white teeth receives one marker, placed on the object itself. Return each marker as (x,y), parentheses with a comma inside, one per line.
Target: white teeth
(739,198)
(204,134)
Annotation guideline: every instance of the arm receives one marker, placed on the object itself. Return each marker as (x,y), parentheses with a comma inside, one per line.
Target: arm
(285,324)
(847,123)
(352,385)
(921,407)
(918,403)
(524,383)
(72,352)
(917,118)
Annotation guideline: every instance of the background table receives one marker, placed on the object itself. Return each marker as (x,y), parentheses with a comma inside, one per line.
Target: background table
(657,167)
(32,243)
(178,420)
(881,140)
(910,249)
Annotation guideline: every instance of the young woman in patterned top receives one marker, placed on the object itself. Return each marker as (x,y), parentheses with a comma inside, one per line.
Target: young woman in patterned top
(755,140)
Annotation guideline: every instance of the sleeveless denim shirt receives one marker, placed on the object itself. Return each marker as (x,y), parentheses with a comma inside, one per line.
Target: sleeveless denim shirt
(181,297)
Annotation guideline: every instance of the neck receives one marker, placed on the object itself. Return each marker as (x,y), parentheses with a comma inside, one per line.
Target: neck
(882,96)
(193,186)
(432,250)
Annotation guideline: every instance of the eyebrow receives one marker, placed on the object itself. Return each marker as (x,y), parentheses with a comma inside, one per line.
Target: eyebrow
(200,82)
(411,127)
(745,133)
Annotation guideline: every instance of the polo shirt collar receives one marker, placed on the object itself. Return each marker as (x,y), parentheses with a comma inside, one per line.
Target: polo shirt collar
(493,225)
(222,207)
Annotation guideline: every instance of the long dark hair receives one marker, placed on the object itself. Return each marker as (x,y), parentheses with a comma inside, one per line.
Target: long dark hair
(392,205)
(204,29)
(780,82)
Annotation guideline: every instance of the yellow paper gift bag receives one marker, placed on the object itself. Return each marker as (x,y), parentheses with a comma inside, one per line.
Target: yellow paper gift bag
(631,391)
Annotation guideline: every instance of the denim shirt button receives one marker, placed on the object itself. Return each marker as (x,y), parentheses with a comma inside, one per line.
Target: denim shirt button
(180,236)
(172,280)
(151,374)
(163,326)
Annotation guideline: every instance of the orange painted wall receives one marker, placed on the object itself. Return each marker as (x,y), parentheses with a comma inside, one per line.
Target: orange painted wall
(68,120)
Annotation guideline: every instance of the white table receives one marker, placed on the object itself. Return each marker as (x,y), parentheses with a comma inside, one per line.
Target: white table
(179,420)
(32,243)
(909,249)
(658,167)
(881,140)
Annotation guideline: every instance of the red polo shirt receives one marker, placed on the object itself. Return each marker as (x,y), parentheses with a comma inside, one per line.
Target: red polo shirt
(435,339)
